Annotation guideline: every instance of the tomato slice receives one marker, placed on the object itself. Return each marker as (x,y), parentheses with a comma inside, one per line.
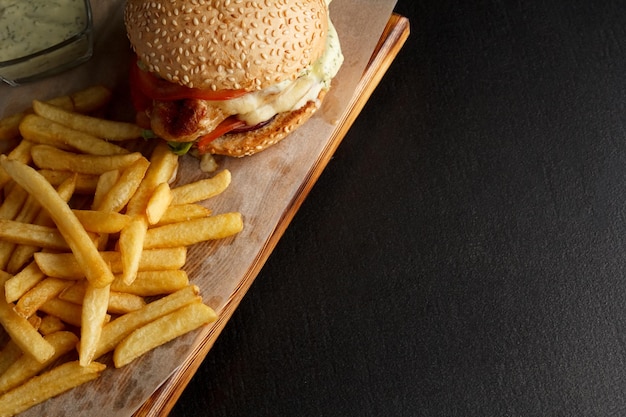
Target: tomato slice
(159,89)
(229,124)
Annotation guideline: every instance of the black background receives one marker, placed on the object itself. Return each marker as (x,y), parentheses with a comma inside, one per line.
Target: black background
(463,253)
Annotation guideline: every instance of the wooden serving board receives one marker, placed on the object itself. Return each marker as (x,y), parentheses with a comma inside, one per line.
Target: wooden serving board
(391,41)
(267,188)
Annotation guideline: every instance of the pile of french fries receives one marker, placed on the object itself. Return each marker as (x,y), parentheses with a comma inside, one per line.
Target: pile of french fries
(93,239)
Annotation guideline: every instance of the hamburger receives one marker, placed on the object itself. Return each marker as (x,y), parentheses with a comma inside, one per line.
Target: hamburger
(229,77)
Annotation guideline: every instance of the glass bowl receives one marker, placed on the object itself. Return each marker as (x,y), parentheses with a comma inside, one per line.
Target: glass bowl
(40,38)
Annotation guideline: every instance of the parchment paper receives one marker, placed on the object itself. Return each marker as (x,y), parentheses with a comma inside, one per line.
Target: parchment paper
(263,188)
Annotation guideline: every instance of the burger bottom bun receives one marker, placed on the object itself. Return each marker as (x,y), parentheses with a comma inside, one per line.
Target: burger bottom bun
(249,143)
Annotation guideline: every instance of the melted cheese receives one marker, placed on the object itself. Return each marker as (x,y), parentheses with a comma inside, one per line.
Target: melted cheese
(259,106)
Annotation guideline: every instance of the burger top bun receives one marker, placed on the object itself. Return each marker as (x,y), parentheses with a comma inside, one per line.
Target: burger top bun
(227,44)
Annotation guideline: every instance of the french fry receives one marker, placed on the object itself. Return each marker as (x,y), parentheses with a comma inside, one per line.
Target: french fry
(65,265)
(34,298)
(84,101)
(48,157)
(23,253)
(43,131)
(11,351)
(202,189)
(20,283)
(13,203)
(50,324)
(94,314)
(47,385)
(123,303)
(89,100)
(194,231)
(96,270)
(9,210)
(85,183)
(10,125)
(116,330)
(161,331)
(31,234)
(68,312)
(8,355)
(122,191)
(150,283)
(27,367)
(101,221)
(131,243)
(119,302)
(106,181)
(21,153)
(158,203)
(183,212)
(108,129)
(163,165)
(21,331)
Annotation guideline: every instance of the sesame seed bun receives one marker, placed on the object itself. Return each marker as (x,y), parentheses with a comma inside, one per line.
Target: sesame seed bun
(227,44)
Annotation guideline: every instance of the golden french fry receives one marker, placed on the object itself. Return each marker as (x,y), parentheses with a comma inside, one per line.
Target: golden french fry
(8,355)
(107,129)
(20,153)
(85,101)
(32,234)
(11,209)
(47,385)
(121,192)
(85,183)
(10,125)
(131,247)
(21,331)
(23,281)
(27,367)
(65,265)
(150,283)
(88,100)
(23,253)
(48,157)
(183,212)
(43,131)
(161,331)
(11,351)
(101,221)
(123,303)
(94,314)
(119,302)
(158,203)
(29,303)
(116,330)
(50,324)
(87,255)
(194,231)
(163,165)
(13,203)
(68,312)
(202,189)
(106,181)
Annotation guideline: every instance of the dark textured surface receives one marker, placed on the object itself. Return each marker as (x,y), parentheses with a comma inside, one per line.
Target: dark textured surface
(463,253)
